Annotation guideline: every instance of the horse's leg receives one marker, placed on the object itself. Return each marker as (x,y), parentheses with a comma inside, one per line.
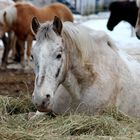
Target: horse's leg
(6,41)
(13,45)
(20,45)
(18,52)
(29,46)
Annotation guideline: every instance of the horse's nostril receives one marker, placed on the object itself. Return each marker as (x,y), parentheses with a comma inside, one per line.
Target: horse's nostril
(48,96)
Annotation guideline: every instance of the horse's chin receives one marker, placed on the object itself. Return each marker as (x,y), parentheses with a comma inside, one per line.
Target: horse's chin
(47,112)
(44,109)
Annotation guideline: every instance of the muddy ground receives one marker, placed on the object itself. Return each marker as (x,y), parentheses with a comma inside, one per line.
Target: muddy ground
(16,81)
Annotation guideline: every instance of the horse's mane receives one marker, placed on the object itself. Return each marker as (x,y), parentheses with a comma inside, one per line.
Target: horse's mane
(85,39)
(79,37)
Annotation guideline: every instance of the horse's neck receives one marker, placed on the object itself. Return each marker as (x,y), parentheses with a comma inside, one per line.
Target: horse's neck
(80,75)
(132,17)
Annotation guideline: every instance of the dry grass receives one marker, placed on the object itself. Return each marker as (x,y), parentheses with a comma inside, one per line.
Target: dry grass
(14,124)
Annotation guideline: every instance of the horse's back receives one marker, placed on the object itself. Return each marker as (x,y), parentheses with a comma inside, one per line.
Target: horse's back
(26,11)
(4,4)
(128,99)
(60,10)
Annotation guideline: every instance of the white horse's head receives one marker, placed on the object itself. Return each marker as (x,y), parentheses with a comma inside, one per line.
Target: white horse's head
(50,62)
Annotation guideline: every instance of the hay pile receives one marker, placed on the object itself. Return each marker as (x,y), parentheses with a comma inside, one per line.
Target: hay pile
(14,124)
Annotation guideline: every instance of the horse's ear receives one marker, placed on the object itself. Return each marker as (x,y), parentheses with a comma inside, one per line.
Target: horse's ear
(57,25)
(35,25)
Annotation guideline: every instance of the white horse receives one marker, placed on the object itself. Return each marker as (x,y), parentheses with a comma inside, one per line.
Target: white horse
(82,70)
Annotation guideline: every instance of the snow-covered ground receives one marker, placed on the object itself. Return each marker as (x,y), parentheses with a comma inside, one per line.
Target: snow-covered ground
(122,33)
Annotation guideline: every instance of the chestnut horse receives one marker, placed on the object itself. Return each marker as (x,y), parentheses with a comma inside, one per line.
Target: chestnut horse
(82,70)
(18,18)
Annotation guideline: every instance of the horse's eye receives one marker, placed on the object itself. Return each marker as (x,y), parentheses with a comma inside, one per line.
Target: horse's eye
(58,56)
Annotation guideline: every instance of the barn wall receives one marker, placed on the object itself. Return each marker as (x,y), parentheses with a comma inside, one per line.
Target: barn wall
(85,7)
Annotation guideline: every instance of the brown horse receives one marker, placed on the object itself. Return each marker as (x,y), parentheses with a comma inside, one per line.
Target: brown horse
(18,18)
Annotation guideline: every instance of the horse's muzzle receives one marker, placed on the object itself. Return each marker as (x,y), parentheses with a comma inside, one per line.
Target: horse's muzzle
(42,105)
(110,28)
(44,109)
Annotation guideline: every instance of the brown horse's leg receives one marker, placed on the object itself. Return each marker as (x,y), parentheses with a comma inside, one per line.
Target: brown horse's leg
(13,45)
(6,42)
(29,46)
(20,45)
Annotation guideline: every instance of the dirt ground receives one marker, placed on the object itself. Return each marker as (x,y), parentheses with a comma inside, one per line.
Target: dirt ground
(15,81)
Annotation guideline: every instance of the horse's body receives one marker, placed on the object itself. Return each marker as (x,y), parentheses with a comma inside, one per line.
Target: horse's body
(122,11)
(95,73)
(18,18)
